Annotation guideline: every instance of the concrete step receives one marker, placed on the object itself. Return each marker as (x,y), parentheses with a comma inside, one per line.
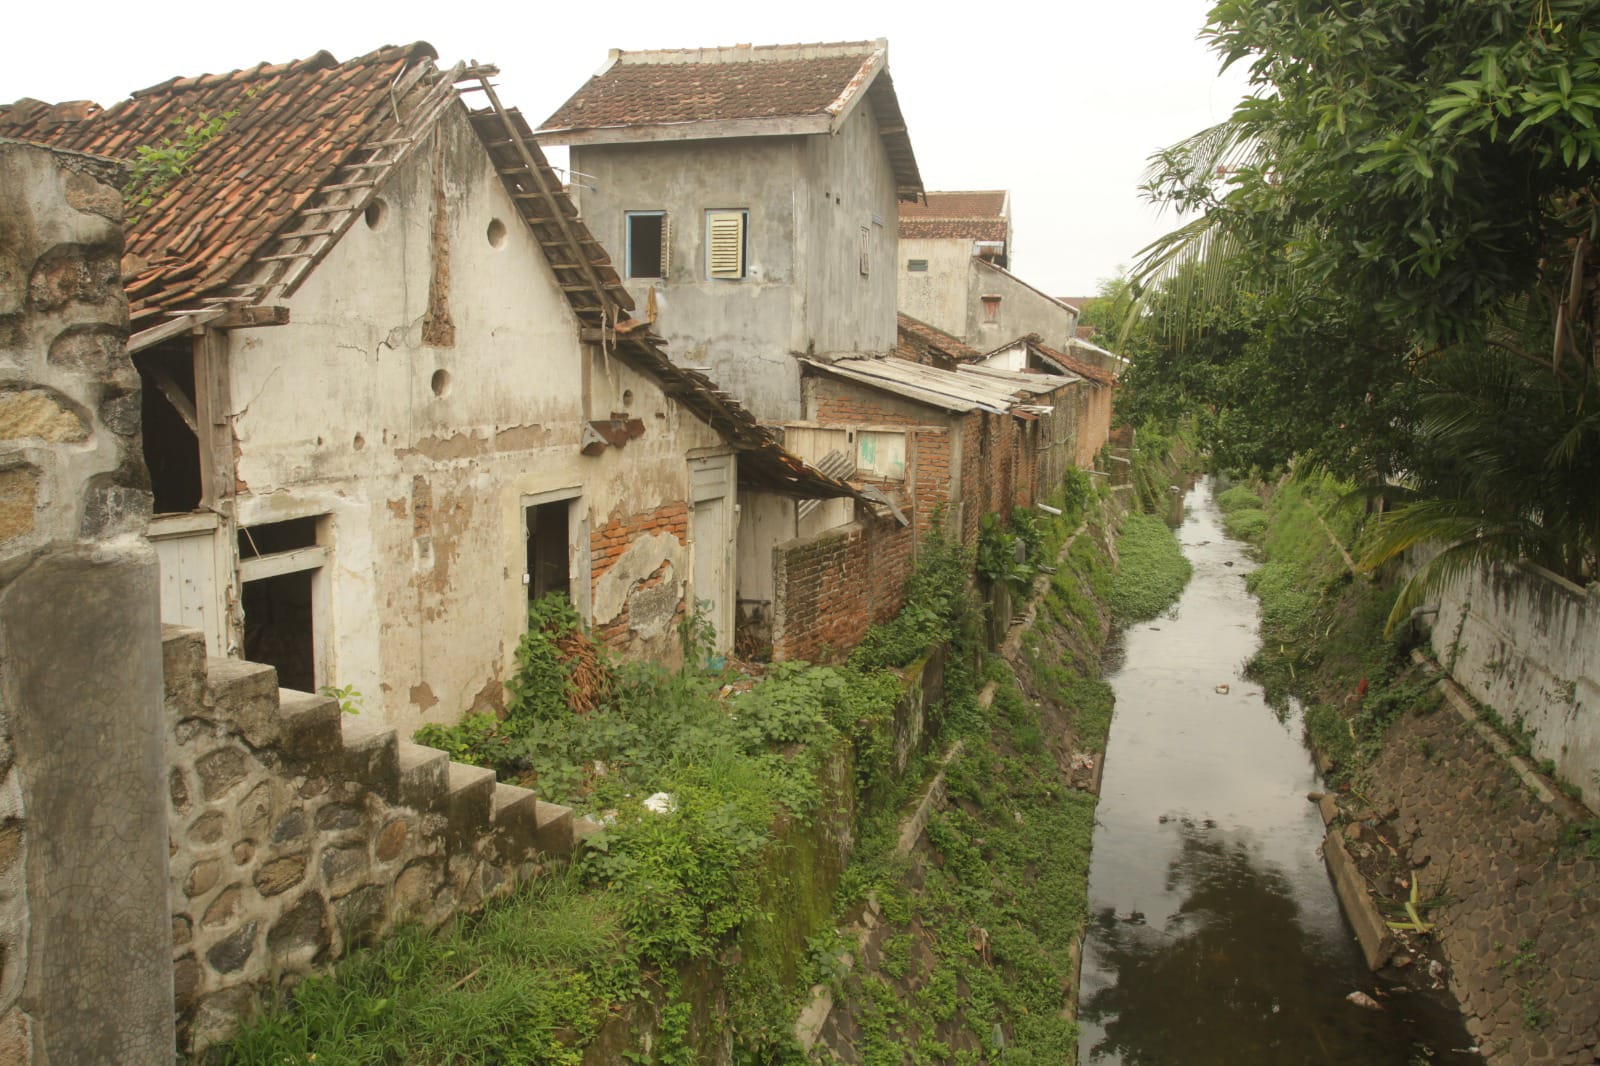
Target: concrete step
(553,832)
(424,776)
(516,818)
(308,724)
(244,695)
(469,798)
(183,663)
(371,755)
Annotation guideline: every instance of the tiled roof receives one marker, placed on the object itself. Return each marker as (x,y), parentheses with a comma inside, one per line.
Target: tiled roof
(987,203)
(702,85)
(929,345)
(1071,363)
(285,130)
(972,229)
(974,216)
(737,91)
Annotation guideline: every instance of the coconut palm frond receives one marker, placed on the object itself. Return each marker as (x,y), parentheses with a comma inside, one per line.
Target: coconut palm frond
(1438,573)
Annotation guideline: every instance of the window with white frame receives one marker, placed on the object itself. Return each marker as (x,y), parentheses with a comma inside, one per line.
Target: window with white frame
(727,244)
(646,242)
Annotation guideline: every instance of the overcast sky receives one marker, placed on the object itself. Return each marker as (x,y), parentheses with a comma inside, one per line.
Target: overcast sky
(1061,104)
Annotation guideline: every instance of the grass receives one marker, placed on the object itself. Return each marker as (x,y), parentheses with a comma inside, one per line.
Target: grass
(1151,571)
(530,981)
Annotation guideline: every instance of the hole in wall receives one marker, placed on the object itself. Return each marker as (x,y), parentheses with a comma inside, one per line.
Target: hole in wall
(376,214)
(440,382)
(496,233)
(627,397)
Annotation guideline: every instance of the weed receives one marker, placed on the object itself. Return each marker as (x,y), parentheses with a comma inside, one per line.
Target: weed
(1153,569)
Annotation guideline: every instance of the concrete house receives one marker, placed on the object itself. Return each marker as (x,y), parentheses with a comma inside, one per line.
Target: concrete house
(754,189)
(954,267)
(392,390)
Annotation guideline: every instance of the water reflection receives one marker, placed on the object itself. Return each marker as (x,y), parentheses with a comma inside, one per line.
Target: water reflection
(1217,938)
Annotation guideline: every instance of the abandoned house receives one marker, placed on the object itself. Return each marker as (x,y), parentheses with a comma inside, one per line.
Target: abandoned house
(391,388)
(755,190)
(954,270)
(1090,404)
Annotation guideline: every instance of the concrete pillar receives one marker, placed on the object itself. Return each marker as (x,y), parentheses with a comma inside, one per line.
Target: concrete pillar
(85,936)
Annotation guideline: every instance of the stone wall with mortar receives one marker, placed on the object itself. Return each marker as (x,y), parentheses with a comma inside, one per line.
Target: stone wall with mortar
(85,974)
(1527,643)
(299,832)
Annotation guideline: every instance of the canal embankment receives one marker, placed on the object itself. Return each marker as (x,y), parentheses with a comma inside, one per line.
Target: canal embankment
(1435,803)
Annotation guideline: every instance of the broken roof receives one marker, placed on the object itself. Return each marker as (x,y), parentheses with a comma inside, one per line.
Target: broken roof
(960,391)
(921,343)
(979,216)
(741,91)
(294,152)
(1063,361)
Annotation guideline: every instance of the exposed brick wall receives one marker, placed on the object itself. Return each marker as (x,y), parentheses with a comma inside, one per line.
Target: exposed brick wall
(1094,422)
(609,542)
(637,588)
(821,590)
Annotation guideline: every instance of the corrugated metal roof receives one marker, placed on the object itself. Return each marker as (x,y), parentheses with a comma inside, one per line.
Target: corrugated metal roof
(964,390)
(1031,383)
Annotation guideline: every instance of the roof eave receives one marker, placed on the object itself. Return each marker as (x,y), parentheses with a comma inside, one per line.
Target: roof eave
(696,130)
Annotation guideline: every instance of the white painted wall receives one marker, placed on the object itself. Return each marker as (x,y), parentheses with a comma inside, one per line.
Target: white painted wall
(336,414)
(1527,643)
(938,295)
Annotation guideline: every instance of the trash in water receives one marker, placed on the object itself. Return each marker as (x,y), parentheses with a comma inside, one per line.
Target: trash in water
(1361,999)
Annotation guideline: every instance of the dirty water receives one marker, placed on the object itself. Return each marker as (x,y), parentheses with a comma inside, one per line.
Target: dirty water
(1214,933)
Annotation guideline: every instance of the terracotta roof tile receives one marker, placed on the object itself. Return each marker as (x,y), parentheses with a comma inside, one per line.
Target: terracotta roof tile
(303,120)
(988,203)
(647,88)
(921,343)
(973,229)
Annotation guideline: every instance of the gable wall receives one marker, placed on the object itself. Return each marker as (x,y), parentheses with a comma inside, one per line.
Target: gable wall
(1022,310)
(938,295)
(336,415)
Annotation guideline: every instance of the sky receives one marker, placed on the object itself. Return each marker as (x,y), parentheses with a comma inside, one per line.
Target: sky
(1062,104)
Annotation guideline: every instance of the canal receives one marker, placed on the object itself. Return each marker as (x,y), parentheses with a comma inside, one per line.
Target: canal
(1214,934)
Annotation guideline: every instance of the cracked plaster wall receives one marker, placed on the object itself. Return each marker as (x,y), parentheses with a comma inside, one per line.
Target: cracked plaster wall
(85,970)
(424,456)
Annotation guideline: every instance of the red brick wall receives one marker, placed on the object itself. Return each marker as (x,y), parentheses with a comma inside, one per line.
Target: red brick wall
(607,544)
(1094,422)
(821,594)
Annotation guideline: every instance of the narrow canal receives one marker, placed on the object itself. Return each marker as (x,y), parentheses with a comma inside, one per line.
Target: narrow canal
(1214,934)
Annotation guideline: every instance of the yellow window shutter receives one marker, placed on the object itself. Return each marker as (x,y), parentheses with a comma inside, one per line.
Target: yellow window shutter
(725,244)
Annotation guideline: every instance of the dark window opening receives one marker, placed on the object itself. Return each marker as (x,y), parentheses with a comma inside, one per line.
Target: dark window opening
(277,627)
(277,537)
(991,308)
(647,244)
(917,265)
(166,408)
(546,532)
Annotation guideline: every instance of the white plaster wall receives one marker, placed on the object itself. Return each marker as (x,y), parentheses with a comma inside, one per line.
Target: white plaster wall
(938,295)
(743,330)
(1528,644)
(335,414)
(1022,310)
(848,183)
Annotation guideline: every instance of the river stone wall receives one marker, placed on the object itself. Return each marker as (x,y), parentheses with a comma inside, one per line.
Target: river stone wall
(1520,931)
(1527,643)
(299,832)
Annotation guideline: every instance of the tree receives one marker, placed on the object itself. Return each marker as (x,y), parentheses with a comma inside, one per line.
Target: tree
(1409,193)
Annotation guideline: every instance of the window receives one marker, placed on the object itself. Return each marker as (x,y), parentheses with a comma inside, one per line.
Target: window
(647,241)
(991,308)
(917,266)
(726,244)
(866,251)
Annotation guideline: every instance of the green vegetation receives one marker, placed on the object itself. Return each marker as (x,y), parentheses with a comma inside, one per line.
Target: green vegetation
(1152,569)
(1243,514)
(1388,268)
(156,166)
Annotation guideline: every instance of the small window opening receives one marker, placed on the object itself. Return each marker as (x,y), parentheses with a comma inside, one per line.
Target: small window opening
(277,537)
(917,266)
(376,214)
(277,627)
(169,427)
(866,251)
(496,233)
(546,531)
(647,244)
(991,308)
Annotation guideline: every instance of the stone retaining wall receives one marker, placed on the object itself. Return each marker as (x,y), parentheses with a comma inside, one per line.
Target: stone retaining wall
(299,832)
